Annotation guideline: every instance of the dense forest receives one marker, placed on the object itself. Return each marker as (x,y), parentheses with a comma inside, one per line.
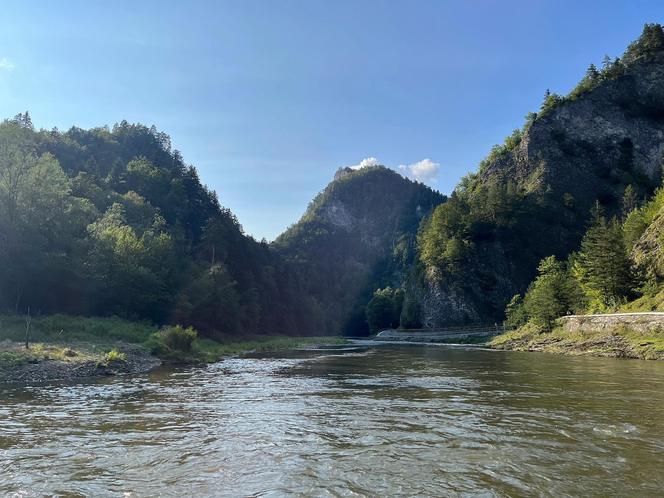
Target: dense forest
(619,267)
(112,221)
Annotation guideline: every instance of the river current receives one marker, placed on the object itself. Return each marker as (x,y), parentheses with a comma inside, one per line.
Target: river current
(362,420)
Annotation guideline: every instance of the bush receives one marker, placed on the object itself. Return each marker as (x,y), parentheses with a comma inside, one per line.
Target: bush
(175,339)
(554,293)
(115,356)
(384,309)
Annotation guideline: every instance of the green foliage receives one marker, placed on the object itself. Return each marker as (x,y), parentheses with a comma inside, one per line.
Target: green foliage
(604,270)
(515,313)
(500,151)
(211,298)
(113,222)
(115,356)
(602,266)
(132,271)
(384,309)
(448,238)
(630,201)
(551,101)
(175,339)
(13,359)
(554,293)
(650,42)
(638,220)
(445,236)
(411,313)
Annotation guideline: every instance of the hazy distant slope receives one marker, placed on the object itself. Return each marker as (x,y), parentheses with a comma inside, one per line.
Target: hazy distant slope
(356,236)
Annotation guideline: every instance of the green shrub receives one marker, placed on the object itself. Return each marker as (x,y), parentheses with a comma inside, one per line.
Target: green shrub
(175,339)
(515,313)
(554,293)
(384,309)
(115,356)
(179,338)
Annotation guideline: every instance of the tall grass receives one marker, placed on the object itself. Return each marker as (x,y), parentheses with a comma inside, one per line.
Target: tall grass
(65,329)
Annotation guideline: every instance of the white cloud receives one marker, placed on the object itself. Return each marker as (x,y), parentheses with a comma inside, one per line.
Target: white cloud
(369,161)
(6,64)
(425,171)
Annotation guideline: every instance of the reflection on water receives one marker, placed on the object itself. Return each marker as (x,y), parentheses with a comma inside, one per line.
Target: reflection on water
(367,421)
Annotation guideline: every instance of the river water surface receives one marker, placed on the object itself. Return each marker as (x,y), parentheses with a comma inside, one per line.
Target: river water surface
(368,420)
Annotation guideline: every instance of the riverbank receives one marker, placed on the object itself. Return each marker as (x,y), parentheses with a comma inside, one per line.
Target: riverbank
(67,348)
(614,341)
(46,362)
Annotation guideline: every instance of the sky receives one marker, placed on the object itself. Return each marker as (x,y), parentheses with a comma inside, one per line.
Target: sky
(268,98)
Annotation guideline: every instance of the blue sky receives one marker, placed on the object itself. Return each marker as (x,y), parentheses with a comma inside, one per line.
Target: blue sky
(268,98)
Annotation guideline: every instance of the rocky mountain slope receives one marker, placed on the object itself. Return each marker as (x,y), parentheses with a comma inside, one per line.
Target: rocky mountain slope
(356,236)
(532,196)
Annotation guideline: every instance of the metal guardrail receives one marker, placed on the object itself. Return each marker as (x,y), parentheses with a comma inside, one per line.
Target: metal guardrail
(462,329)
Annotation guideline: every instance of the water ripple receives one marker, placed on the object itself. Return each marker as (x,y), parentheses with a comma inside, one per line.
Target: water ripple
(363,421)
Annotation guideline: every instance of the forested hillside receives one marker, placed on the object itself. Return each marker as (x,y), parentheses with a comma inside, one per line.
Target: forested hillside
(533,196)
(113,222)
(357,235)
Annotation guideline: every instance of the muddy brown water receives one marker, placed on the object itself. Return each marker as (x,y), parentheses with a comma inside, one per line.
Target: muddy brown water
(366,420)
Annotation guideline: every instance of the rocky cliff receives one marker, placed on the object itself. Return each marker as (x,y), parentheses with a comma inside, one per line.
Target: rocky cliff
(532,196)
(593,145)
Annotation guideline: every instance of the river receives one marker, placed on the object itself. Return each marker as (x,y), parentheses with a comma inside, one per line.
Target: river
(366,420)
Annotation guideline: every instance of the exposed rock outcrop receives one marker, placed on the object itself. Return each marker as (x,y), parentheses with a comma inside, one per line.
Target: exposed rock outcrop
(586,148)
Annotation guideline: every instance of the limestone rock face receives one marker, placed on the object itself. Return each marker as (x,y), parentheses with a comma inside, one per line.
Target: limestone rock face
(474,297)
(590,146)
(583,150)
(441,304)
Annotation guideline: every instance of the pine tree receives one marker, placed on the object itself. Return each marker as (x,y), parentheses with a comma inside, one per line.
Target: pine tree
(606,62)
(592,73)
(629,202)
(553,294)
(602,265)
(23,120)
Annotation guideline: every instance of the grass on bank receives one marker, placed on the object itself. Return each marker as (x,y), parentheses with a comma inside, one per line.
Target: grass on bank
(620,341)
(78,339)
(648,302)
(75,329)
(14,354)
